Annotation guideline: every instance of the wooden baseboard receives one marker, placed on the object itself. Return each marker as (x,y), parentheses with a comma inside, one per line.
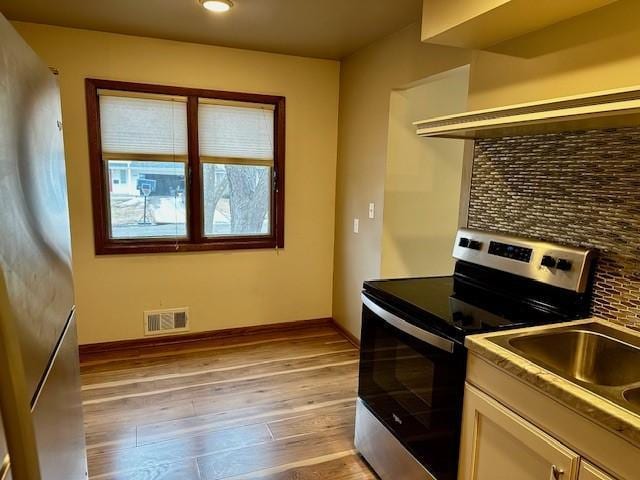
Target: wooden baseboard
(145,342)
(353,339)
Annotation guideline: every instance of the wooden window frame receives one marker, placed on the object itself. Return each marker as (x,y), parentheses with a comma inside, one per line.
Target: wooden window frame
(196,241)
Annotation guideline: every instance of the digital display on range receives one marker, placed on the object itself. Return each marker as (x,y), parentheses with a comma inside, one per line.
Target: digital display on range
(522,254)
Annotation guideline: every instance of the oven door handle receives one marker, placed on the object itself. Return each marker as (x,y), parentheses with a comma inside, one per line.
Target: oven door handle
(394,320)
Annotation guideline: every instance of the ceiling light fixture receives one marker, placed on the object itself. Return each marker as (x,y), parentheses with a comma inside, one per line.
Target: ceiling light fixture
(218,6)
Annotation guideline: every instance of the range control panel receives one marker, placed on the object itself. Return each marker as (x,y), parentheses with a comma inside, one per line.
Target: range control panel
(521,254)
(554,264)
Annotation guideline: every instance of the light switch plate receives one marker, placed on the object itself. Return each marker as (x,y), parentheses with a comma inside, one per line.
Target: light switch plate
(372,210)
(356,225)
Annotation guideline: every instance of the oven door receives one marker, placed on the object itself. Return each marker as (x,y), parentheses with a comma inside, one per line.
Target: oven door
(412,381)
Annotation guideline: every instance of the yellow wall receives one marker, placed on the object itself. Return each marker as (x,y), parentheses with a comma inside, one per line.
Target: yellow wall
(226,289)
(366,80)
(595,51)
(423,180)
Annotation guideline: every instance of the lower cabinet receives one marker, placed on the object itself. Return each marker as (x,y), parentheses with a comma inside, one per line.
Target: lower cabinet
(590,472)
(553,442)
(497,444)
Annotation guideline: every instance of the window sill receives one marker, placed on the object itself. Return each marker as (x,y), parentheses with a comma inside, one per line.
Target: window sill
(163,246)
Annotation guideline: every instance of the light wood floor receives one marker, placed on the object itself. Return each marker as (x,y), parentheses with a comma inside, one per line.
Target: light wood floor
(271,406)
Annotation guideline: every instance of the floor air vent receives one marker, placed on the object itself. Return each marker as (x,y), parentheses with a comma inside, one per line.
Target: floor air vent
(158,322)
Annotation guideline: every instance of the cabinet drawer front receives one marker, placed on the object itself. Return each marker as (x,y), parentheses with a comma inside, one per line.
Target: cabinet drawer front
(497,444)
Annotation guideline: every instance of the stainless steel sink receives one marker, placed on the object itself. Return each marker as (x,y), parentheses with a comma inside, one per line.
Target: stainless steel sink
(602,359)
(583,355)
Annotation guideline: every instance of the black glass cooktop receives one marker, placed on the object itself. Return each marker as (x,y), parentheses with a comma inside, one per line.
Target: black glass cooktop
(456,307)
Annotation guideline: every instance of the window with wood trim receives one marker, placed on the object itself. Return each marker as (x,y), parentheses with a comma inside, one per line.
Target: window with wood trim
(179,169)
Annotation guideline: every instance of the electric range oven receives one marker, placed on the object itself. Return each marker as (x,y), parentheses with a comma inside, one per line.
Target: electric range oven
(412,354)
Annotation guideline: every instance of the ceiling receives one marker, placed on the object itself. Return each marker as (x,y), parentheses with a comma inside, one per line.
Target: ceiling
(315,28)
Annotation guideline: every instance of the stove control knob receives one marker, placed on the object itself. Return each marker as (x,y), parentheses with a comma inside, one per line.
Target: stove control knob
(548,261)
(475,245)
(564,264)
(464,242)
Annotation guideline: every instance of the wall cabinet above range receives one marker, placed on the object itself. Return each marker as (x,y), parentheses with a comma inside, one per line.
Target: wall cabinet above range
(606,109)
(484,23)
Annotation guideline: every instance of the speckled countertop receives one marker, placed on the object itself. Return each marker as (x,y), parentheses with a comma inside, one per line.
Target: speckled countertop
(600,410)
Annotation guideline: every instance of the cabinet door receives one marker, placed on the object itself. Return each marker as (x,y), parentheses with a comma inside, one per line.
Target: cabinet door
(589,472)
(497,444)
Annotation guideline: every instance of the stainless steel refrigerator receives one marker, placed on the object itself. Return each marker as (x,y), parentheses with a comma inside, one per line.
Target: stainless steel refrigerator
(41,428)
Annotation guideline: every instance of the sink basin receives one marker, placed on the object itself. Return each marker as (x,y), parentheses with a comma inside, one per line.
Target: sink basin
(583,355)
(602,359)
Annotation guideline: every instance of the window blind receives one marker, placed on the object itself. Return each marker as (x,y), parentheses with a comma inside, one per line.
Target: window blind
(237,132)
(143,125)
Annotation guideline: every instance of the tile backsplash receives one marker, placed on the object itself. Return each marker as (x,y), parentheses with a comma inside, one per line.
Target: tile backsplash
(579,188)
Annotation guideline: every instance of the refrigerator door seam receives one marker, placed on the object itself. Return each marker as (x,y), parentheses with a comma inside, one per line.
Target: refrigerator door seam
(43,380)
